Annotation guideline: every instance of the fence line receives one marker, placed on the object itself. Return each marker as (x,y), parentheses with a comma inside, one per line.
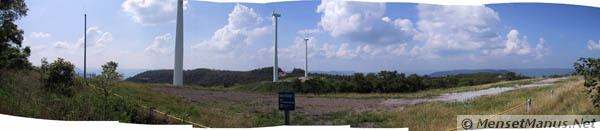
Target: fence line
(170,116)
(500,113)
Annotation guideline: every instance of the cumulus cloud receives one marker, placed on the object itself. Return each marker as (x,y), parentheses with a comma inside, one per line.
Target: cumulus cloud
(398,49)
(309,31)
(98,44)
(327,50)
(95,38)
(593,45)
(61,45)
(540,49)
(160,45)
(244,27)
(39,35)
(152,12)
(513,44)
(441,30)
(363,22)
(462,28)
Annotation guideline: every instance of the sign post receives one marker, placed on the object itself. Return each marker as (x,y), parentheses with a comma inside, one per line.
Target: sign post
(287,103)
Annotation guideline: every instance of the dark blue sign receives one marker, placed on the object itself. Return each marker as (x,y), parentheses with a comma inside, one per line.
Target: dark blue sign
(287,101)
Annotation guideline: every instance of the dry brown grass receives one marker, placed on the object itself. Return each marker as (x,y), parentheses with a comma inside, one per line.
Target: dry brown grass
(568,99)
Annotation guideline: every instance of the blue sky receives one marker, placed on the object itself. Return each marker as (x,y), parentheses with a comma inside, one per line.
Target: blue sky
(356,36)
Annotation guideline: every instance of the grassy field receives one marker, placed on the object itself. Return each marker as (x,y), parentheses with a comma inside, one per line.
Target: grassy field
(208,114)
(568,99)
(270,88)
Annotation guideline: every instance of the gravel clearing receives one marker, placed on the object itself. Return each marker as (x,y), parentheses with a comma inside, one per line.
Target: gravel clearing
(319,106)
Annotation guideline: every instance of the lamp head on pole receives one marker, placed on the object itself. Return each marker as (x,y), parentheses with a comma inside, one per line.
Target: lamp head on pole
(276,15)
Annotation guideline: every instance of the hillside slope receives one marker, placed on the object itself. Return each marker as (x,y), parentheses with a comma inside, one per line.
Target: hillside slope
(458,72)
(206,77)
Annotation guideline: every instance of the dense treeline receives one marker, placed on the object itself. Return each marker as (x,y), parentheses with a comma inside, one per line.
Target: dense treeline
(207,77)
(393,82)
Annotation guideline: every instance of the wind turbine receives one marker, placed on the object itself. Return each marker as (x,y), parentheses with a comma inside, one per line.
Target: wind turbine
(275,67)
(178,67)
(306,59)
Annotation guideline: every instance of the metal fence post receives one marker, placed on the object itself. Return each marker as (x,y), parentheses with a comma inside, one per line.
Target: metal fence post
(287,117)
(528,106)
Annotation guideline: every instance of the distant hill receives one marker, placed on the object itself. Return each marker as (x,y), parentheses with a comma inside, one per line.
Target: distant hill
(333,72)
(458,72)
(539,72)
(95,71)
(206,77)
(530,72)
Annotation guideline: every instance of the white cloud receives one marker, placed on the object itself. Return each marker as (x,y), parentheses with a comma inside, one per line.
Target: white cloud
(39,35)
(467,30)
(297,50)
(160,45)
(152,12)
(398,49)
(459,28)
(244,27)
(95,38)
(309,31)
(440,31)
(99,50)
(593,45)
(345,52)
(540,49)
(513,44)
(363,22)
(61,45)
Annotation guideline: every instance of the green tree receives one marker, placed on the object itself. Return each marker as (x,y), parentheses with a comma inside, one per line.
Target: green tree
(107,79)
(590,69)
(12,54)
(61,77)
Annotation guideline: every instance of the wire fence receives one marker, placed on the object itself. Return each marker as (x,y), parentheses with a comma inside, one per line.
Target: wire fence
(500,113)
(170,116)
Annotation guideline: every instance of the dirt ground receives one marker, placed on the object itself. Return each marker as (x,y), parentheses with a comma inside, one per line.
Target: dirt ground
(266,103)
(316,106)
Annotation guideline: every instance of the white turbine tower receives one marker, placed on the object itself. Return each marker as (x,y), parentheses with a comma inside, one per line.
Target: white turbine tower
(178,68)
(306,59)
(275,67)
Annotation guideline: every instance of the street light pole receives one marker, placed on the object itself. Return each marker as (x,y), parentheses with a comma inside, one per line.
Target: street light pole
(275,67)
(84,46)
(306,58)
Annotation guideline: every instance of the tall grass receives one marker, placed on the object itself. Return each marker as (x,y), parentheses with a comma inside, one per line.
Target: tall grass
(568,99)
(22,94)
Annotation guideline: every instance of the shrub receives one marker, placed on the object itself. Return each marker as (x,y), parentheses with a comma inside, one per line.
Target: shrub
(590,69)
(61,75)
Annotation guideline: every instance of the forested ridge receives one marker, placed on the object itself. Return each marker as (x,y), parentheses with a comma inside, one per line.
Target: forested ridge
(207,77)
(382,82)
(394,82)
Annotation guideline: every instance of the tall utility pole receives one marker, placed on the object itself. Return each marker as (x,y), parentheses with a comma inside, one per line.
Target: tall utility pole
(306,59)
(178,67)
(84,46)
(275,67)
